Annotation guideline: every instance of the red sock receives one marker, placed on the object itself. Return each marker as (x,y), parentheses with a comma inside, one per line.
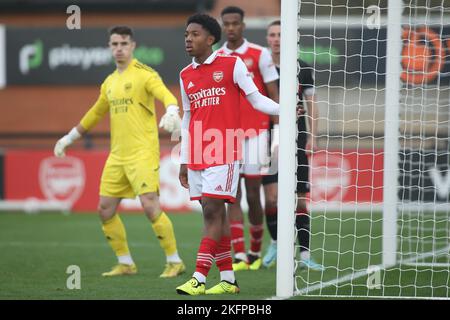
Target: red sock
(205,255)
(256,236)
(237,236)
(223,255)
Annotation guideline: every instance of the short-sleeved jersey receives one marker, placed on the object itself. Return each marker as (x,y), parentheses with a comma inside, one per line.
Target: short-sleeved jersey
(260,65)
(129,97)
(211,92)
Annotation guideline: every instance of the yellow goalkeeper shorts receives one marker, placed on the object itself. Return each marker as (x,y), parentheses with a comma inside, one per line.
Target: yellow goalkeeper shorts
(131,179)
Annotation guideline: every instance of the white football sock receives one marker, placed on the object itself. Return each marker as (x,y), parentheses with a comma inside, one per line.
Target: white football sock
(125,260)
(199,276)
(305,255)
(173,258)
(227,276)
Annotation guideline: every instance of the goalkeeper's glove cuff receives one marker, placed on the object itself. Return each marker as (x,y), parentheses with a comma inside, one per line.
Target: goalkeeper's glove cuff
(73,135)
(172,109)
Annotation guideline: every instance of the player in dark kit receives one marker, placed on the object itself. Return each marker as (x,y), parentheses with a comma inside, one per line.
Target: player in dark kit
(305,145)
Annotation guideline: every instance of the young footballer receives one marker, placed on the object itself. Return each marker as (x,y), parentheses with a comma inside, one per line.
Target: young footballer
(132,167)
(210,147)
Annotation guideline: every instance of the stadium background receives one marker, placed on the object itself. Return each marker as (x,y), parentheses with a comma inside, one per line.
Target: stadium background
(53,75)
(41,103)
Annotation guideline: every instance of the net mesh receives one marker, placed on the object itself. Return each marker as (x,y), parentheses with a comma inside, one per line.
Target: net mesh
(344,44)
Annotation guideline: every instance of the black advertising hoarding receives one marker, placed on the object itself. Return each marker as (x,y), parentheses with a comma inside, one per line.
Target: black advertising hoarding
(424,176)
(105,5)
(356,56)
(44,56)
(342,57)
(47,56)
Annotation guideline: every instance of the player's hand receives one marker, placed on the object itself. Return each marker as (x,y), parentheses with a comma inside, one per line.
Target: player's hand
(275,141)
(183,176)
(60,147)
(64,142)
(171,120)
(300,110)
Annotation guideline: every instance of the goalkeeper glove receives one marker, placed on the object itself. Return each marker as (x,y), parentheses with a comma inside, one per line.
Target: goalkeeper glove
(66,141)
(275,140)
(171,120)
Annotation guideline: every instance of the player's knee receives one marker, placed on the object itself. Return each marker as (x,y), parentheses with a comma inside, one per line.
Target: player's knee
(210,211)
(105,211)
(151,208)
(150,204)
(301,204)
(271,202)
(253,196)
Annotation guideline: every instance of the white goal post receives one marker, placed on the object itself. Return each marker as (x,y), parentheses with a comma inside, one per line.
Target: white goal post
(288,130)
(379,204)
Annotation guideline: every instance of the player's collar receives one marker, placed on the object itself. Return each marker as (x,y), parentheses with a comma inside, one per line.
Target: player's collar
(208,60)
(241,50)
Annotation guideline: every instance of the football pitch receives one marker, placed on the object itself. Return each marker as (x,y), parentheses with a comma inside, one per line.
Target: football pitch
(37,250)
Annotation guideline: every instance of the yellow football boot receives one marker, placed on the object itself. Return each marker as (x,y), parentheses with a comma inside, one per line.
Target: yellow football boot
(255,265)
(173,269)
(224,287)
(240,265)
(192,287)
(121,270)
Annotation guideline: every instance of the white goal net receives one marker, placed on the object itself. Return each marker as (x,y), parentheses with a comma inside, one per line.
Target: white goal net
(379,178)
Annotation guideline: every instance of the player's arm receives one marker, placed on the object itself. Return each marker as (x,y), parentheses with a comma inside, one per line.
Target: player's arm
(313,121)
(184,150)
(243,79)
(89,120)
(270,77)
(170,121)
(307,82)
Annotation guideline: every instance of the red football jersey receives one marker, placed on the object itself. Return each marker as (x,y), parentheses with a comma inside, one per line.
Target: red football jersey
(211,92)
(260,65)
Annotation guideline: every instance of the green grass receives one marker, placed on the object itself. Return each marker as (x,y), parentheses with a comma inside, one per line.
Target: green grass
(37,249)
(349,243)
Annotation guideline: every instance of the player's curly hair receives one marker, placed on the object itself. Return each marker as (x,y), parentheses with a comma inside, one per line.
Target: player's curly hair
(208,23)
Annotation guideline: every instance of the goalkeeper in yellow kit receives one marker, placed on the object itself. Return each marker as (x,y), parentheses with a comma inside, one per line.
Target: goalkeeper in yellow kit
(132,167)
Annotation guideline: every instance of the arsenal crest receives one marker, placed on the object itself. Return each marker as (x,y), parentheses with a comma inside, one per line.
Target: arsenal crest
(248,62)
(218,76)
(62,179)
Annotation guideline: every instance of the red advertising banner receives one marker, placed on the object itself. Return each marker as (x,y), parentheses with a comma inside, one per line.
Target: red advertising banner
(336,177)
(38,175)
(348,177)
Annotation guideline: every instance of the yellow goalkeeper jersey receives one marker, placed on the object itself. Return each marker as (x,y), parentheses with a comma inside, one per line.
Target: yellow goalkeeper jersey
(129,97)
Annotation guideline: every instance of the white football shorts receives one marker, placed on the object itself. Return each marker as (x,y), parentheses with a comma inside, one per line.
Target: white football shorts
(255,155)
(219,182)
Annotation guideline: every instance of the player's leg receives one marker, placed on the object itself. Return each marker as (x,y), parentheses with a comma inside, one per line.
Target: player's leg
(216,230)
(259,160)
(228,283)
(302,218)
(270,186)
(113,187)
(193,286)
(144,179)
(236,221)
(256,220)
(213,215)
(163,229)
